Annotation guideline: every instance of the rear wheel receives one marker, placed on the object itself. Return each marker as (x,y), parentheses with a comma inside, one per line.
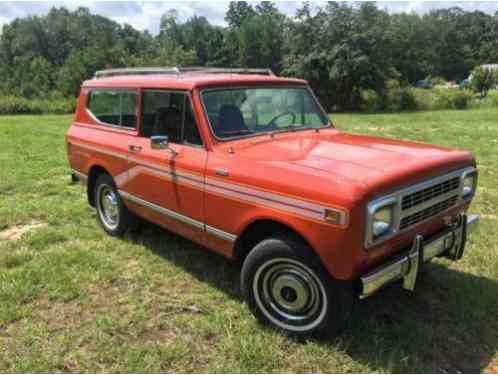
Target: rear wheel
(285,285)
(112,214)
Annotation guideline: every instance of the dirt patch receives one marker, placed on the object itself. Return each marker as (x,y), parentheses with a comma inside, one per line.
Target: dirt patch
(15,232)
(492,368)
(489,217)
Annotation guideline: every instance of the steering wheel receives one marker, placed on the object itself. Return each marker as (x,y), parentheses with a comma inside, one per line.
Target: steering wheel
(272,122)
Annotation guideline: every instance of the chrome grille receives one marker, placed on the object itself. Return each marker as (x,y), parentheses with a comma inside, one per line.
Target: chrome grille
(417,204)
(428,212)
(429,193)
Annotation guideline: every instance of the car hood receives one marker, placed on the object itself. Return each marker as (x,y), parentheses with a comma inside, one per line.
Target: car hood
(367,160)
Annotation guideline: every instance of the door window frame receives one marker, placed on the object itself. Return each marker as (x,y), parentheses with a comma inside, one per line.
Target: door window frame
(187,95)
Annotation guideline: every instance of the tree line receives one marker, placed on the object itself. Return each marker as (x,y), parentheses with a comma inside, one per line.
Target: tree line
(343,49)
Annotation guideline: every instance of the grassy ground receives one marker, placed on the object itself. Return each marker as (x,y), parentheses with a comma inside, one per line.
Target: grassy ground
(73,299)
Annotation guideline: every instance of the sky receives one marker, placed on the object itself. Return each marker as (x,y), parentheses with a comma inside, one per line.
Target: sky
(145,15)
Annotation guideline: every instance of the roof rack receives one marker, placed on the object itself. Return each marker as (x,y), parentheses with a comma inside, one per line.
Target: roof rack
(177,70)
(132,71)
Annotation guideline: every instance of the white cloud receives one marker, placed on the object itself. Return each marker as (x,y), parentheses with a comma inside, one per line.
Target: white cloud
(423,7)
(3,21)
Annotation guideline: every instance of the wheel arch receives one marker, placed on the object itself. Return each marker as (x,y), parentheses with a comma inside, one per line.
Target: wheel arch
(94,172)
(260,229)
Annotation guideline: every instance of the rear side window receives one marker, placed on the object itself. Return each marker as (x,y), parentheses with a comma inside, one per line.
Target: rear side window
(114,107)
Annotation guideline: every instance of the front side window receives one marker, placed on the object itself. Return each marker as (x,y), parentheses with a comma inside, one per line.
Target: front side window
(169,114)
(114,107)
(247,111)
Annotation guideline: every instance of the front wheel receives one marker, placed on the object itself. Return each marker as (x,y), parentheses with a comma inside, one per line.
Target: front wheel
(285,285)
(112,214)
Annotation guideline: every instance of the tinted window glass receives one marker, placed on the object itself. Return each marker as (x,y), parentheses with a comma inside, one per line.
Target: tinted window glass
(162,114)
(114,107)
(128,109)
(105,106)
(165,113)
(191,132)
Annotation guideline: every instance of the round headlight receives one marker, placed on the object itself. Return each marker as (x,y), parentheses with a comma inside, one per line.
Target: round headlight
(382,221)
(469,185)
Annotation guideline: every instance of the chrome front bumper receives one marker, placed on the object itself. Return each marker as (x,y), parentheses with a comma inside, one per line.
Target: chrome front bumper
(450,243)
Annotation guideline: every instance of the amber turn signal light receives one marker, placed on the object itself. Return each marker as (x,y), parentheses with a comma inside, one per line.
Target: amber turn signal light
(336,217)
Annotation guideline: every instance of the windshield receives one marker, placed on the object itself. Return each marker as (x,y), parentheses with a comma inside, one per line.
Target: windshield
(239,112)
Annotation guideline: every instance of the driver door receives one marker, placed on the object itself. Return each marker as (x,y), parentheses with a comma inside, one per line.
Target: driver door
(168,183)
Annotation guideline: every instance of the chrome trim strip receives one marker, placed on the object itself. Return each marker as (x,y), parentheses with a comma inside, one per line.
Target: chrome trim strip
(107,125)
(248,194)
(397,198)
(162,210)
(291,205)
(175,215)
(221,234)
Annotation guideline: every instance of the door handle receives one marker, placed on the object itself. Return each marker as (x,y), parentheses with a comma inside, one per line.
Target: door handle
(134,148)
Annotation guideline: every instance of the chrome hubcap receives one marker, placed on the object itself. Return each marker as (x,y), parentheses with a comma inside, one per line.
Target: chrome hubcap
(290,294)
(108,206)
(290,291)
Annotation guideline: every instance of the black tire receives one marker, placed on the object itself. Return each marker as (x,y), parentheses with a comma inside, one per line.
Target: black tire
(121,219)
(285,285)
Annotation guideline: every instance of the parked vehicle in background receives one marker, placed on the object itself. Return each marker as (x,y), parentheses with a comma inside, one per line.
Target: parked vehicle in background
(465,83)
(423,85)
(250,166)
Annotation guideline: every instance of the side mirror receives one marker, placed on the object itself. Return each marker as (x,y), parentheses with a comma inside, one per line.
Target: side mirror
(159,142)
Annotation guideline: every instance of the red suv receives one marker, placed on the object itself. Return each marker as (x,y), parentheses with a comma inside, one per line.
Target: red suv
(249,165)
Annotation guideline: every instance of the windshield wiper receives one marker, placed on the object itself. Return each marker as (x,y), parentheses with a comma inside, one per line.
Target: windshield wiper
(237,132)
(292,128)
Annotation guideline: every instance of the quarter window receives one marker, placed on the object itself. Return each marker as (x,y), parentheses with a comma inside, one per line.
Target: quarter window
(114,107)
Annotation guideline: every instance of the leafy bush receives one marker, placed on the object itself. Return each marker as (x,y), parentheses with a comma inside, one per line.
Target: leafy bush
(424,99)
(440,98)
(492,98)
(15,105)
(399,98)
(460,98)
(451,99)
(370,101)
(436,80)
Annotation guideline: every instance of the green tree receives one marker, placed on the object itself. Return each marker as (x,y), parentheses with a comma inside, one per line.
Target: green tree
(163,53)
(261,38)
(483,80)
(341,50)
(40,76)
(238,12)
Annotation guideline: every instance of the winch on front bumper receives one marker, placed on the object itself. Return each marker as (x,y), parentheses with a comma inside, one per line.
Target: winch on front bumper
(450,242)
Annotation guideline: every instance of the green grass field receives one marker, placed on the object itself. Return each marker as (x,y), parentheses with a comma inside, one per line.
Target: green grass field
(75,300)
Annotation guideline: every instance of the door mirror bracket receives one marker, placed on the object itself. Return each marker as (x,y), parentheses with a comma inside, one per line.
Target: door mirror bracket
(161,142)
